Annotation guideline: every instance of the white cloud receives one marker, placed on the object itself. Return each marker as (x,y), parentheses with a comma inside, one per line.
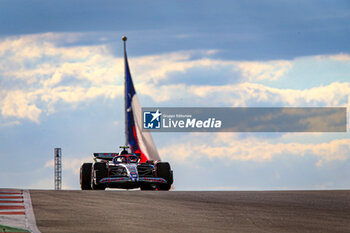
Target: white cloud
(336,57)
(229,147)
(158,67)
(264,70)
(251,95)
(74,164)
(38,74)
(70,164)
(20,104)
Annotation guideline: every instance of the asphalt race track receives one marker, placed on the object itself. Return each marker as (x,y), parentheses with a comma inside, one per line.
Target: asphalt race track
(187,211)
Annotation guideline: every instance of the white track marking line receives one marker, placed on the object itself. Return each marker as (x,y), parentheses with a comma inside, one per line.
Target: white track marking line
(13,220)
(30,218)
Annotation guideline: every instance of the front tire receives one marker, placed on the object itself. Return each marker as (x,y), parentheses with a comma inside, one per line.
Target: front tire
(99,171)
(164,171)
(85,176)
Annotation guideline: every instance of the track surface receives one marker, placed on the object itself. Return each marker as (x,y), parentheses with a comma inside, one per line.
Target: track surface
(136,211)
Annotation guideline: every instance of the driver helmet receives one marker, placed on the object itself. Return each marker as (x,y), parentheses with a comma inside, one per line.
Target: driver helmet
(124,152)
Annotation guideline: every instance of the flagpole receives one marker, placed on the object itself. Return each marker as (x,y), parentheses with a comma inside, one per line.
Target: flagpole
(124,38)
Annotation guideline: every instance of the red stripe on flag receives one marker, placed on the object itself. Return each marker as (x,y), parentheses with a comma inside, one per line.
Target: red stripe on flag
(143,156)
(12,213)
(11,207)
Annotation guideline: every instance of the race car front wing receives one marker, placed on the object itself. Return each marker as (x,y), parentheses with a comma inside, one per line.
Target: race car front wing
(127,179)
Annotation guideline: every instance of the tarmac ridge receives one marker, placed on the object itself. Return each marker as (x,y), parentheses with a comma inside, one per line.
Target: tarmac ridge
(192,211)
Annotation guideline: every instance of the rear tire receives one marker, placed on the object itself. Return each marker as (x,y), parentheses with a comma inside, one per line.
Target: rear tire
(99,172)
(164,171)
(85,176)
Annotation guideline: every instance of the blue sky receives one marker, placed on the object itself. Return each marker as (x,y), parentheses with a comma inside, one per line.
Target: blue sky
(61,77)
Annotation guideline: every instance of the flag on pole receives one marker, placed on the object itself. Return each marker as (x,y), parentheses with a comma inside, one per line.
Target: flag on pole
(139,141)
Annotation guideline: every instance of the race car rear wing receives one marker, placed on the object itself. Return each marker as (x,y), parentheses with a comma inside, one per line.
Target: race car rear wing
(106,156)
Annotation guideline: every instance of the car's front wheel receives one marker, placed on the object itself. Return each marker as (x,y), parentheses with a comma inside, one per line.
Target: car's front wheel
(164,171)
(99,171)
(85,176)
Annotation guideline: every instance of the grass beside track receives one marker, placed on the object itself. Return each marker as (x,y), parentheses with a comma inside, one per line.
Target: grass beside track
(4,228)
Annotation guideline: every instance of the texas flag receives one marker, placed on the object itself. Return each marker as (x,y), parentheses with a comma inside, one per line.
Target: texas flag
(139,141)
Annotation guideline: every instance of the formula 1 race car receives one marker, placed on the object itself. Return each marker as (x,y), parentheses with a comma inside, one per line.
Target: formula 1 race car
(125,171)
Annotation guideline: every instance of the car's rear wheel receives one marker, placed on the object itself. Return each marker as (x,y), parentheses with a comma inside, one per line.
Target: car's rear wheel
(164,171)
(85,176)
(99,172)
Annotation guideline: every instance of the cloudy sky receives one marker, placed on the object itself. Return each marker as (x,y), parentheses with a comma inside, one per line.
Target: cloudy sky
(61,85)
